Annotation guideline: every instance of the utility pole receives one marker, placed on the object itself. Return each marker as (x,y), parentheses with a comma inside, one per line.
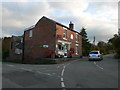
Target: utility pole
(94,41)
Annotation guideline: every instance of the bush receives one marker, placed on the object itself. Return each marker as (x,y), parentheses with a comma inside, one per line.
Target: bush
(117,56)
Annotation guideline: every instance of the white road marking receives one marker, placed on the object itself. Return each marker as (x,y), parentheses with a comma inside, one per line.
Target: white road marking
(62,71)
(98,66)
(58,66)
(94,62)
(62,84)
(44,73)
(10,65)
(49,74)
(61,79)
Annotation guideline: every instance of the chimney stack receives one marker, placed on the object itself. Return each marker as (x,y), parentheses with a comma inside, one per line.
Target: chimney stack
(71,25)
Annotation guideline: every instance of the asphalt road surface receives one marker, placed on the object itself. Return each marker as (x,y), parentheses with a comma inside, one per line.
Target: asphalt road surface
(79,73)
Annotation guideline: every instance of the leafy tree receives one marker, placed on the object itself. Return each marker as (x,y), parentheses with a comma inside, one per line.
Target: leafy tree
(5,47)
(115,41)
(102,46)
(85,42)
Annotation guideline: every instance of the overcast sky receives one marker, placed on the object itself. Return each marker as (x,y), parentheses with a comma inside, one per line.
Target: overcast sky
(100,18)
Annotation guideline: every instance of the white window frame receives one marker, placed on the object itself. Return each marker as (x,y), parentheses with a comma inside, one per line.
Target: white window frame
(71,36)
(77,37)
(76,49)
(65,33)
(30,33)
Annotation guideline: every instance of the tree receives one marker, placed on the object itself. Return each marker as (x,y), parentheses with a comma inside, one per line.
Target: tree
(102,46)
(85,42)
(5,47)
(115,41)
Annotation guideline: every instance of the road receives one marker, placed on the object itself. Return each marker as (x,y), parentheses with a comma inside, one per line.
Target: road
(79,73)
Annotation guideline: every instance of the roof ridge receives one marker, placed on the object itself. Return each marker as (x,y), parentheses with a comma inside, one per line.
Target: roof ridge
(59,24)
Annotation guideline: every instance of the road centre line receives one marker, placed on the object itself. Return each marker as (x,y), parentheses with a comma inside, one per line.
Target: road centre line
(62,84)
(63,70)
(61,79)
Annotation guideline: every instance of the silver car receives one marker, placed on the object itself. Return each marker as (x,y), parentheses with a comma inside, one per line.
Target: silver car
(95,55)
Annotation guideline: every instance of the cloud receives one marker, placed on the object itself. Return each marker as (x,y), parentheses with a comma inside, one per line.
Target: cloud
(100,18)
(22,15)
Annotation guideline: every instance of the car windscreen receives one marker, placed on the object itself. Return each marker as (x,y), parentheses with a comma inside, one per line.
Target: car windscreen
(93,52)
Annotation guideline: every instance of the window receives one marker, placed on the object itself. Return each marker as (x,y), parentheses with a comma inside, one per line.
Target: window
(18,51)
(93,52)
(65,34)
(59,46)
(76,37)
(71,36)
(30,33)
(76,49)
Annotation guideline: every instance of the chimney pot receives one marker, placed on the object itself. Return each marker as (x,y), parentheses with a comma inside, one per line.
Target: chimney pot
(71,25)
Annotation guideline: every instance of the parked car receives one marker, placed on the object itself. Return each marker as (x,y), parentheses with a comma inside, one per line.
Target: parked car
(95,55)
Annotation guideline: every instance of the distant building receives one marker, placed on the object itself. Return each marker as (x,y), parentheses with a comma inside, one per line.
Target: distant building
(49,38)
(15,49)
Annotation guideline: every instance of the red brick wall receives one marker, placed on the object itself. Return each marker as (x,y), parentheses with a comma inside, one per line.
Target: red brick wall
(59,31)
(43,34)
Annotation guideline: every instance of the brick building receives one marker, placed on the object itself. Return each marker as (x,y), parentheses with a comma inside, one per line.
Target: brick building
(15,48)
(49,38)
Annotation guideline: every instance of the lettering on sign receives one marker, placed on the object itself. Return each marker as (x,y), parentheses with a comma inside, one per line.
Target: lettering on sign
(45,46)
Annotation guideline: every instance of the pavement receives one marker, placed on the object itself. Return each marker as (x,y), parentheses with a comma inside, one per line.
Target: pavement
(79,73)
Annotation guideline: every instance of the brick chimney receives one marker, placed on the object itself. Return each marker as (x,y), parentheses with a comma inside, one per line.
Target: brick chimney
(71,25)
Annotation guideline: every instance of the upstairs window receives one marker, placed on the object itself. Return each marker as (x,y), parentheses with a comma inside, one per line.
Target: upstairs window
(30,33)
(76,37)
(71,36)
(65,33)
